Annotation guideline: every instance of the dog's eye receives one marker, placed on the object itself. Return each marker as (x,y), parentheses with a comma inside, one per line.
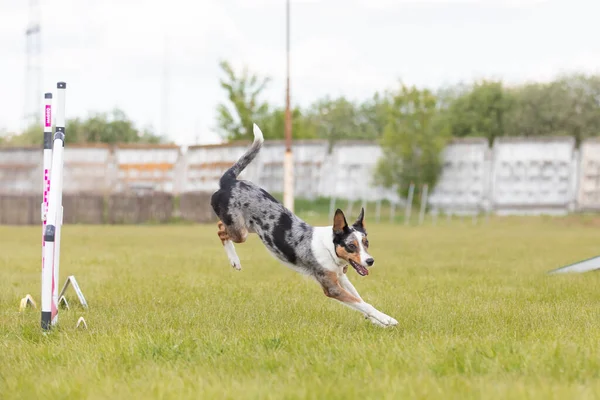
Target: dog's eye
(366,243)
(352,247)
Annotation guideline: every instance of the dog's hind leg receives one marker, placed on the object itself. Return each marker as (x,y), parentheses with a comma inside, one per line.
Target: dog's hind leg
(234,260)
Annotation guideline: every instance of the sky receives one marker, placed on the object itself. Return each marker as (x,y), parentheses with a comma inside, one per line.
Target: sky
(114,53)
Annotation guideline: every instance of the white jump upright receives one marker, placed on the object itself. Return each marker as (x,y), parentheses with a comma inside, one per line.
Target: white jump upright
(47,165)
(46,302)
(54,211)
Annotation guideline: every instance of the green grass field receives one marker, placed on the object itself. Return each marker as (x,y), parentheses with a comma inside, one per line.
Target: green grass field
(169,319)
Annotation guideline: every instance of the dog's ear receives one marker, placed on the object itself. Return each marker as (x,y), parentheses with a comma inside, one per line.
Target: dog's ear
(360,221)
(339,222)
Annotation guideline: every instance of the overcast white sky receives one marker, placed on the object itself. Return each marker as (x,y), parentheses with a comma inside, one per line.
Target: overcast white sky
(111,52)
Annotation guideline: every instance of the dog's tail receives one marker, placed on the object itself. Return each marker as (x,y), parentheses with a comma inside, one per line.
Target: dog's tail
(237,168)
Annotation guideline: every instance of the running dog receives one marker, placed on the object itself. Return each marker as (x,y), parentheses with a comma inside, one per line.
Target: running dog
(320,252)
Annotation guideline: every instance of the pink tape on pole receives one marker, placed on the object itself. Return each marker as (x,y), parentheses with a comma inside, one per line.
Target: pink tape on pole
(48,114)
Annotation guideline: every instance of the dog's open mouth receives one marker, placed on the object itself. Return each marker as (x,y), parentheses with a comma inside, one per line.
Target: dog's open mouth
(362,271)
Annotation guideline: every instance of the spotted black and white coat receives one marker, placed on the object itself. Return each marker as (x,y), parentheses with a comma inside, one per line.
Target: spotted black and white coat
(323,253)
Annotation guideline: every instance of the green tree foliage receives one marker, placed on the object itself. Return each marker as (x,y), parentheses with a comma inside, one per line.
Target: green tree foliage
(412,141)
(335,119)
(108,128)
(234,120)
(273,125)
(341,119)
(413,125)
(111,128)
(374,115)
(568,106)
(32,135)
(479,110)
(331,119)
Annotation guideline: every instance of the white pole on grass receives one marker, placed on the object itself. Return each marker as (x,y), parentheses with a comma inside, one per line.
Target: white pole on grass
(331,206)
(424,191)
(333,187)
(47,250)
(364,202)
(61,88)
(47,146)
(411,192)
(54,219)
(378,207)
(349,207)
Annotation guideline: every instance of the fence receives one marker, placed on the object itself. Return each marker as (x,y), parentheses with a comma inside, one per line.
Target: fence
(140,183)
(588,194)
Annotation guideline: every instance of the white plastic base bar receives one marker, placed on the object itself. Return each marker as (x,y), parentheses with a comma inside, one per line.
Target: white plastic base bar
(591,264)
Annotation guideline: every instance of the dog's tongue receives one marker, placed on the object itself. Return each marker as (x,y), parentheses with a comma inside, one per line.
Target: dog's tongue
(362,271)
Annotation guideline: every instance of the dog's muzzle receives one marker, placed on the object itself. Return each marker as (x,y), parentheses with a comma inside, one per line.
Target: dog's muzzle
(362,271)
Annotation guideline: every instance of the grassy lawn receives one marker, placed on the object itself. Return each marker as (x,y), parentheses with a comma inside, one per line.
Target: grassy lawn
(169,319)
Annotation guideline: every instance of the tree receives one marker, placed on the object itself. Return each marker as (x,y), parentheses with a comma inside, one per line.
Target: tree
(412,141)
(273,125)
(568,106)
(234,121)
(340,119)
(32,135)
(478,110)
(112,127)
(106,128)
(374,115)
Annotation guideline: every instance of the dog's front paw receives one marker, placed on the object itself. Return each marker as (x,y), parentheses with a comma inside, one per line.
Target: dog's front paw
(235,263)
(382,320)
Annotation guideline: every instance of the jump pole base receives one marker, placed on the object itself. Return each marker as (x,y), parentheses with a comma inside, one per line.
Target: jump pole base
(73,282)
(27,301)
(588,265)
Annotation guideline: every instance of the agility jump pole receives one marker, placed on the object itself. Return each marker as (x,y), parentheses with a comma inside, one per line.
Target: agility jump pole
(47,165)
(52,210)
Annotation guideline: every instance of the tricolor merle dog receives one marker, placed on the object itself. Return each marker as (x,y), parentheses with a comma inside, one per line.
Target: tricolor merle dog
(320,252)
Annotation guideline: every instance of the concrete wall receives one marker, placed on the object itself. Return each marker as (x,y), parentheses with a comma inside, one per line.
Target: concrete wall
(146,167)
(87,169)
(464,185)
(514,176)
(534,175)
(20,170)
(206,164)
(89,208)
(348,171)
(588,194)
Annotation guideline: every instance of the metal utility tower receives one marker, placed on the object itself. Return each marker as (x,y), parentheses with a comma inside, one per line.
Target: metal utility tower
(33,69)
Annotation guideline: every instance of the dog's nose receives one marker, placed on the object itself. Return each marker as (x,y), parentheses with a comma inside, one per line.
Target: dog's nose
(370,261)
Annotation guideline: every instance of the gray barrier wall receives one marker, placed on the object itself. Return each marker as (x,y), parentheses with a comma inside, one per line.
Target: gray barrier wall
(87,208)
(465,182)
(20,170)
(588,194)
(534,175)
(514,176)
